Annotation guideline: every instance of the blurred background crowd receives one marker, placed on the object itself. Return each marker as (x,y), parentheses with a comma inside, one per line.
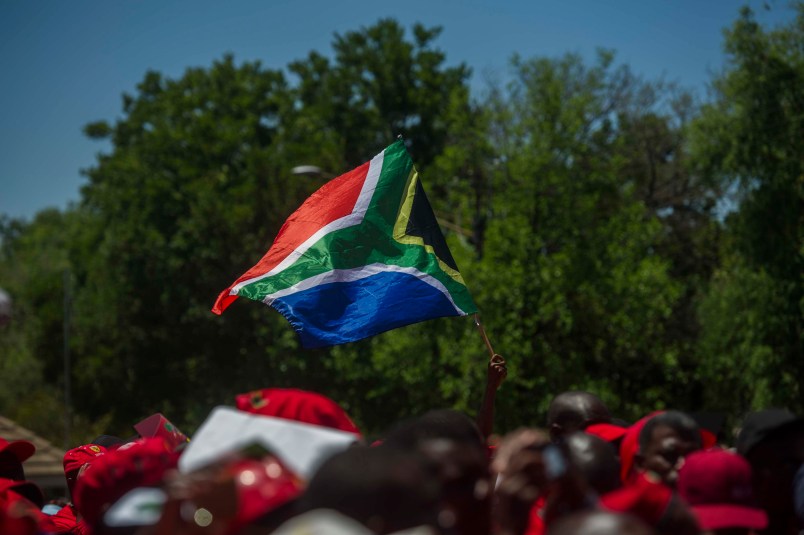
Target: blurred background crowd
(290,461)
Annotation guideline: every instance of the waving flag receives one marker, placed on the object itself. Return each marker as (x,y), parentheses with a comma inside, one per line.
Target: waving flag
(363,255)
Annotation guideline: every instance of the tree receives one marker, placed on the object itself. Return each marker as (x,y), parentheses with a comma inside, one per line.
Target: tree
(34,261)
(750,139)
(571,288)
(585,296)
(380,85)
(196,185)
(654,123)
(191,191)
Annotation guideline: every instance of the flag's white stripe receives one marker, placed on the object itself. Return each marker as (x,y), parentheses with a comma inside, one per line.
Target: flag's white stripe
(350,220)
(354,274)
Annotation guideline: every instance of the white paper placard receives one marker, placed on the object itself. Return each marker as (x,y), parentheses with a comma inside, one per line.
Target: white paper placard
(302,447)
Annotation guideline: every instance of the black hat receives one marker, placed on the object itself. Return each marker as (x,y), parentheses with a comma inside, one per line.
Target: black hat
(760,425)
(109,441)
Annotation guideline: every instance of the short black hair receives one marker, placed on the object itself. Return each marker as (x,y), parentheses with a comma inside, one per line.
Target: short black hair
(681,423)
(596,460)
(11,467)
(385,489)
(576,408)
(444,424)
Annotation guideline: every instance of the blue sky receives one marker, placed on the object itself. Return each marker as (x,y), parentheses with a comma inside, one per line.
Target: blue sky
(65,64)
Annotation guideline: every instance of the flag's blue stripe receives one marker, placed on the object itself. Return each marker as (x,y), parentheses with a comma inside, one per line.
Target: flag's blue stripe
(342,312)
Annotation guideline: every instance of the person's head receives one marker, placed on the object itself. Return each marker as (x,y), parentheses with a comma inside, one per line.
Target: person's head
(104,480)
(596,460)
(573,411)
(76,458)
(773,443)
(249,492)
(599,523)
(664,441)
(717,485)
(12,455)
(453,447)
(445,424)
(385,489)
(463,474)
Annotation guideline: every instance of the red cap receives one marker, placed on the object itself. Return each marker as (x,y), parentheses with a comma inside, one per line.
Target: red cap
(75,458)
(298,405)
(717,484)
(608,432)
(645,498)
(21,449)
(262,486)
(18,516)
(138,464)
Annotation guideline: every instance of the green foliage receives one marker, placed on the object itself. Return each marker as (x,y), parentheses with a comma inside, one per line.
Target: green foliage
(743,316)
(752,135)
(585,299)
(751,138)
(196,185)
(380,85)
(198,182)
(580,201)
(33,261)
(572,290)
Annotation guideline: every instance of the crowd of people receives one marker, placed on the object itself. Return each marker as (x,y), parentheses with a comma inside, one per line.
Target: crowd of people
(296,464)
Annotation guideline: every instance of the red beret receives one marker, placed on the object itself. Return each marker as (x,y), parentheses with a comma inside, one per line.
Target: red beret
(298,405)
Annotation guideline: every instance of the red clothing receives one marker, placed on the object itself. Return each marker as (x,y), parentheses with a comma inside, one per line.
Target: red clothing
(65,520)
(644,497)
(536,520)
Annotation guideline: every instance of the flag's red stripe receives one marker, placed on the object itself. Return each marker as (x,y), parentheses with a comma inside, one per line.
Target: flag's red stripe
(332,201)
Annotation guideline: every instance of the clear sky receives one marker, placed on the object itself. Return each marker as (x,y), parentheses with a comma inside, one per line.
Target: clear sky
(65,64)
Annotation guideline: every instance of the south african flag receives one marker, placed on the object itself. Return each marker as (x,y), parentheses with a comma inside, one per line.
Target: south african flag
(363,255)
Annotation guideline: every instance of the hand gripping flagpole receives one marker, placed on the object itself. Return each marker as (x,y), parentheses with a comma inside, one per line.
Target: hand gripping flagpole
(483,334)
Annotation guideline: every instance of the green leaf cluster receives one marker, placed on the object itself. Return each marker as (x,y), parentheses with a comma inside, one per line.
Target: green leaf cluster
(619,236)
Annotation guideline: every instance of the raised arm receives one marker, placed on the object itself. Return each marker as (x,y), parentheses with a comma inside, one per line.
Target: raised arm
(495,375)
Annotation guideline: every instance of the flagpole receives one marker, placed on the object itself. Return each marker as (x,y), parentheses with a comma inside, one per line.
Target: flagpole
(483,334)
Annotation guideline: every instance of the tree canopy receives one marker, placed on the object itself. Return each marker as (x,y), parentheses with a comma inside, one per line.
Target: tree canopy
(619,235)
